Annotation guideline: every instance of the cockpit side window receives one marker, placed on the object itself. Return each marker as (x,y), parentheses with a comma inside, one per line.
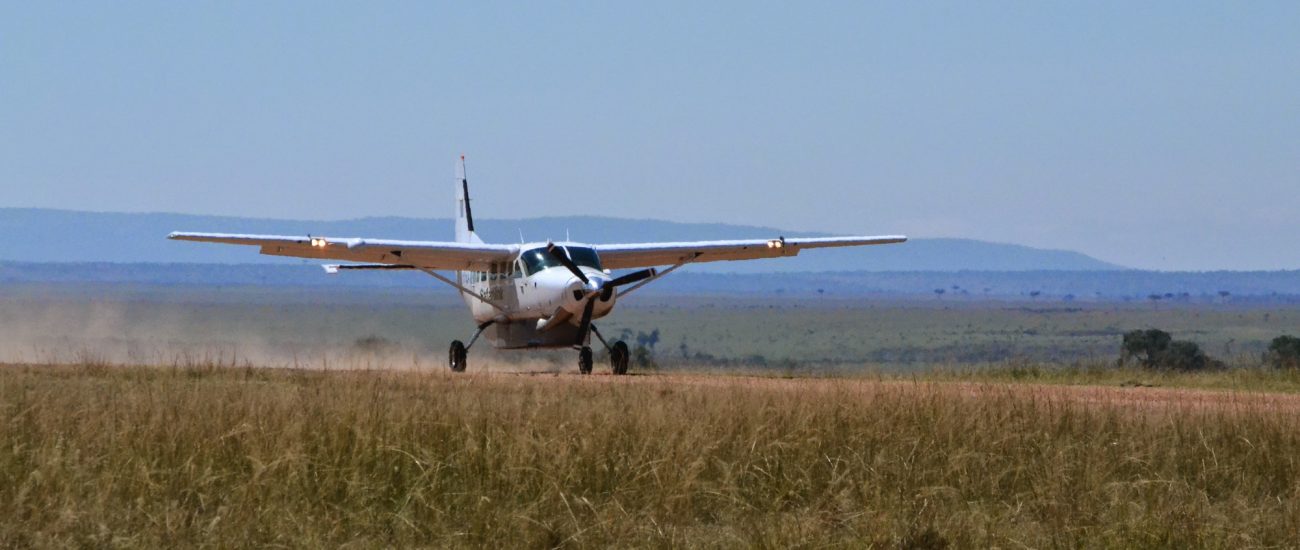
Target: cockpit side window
(537,259)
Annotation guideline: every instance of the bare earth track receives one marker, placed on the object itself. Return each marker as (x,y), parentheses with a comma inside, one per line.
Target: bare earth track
(1138,399)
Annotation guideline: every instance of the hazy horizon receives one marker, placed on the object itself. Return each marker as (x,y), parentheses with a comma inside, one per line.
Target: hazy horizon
(1160,136)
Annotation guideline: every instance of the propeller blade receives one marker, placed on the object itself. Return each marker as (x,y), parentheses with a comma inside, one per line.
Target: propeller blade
(585,325)
(633,277)
(563,258)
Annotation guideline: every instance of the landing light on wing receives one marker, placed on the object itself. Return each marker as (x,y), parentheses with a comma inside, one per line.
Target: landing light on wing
(318,243)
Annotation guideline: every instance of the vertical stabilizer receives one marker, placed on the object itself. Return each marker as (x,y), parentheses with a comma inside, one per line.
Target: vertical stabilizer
(464,214)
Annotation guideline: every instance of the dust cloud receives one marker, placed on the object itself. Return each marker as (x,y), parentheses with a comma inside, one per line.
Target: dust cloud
(106,332)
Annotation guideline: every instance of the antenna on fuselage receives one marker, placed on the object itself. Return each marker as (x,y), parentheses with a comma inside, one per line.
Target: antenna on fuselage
(521,235)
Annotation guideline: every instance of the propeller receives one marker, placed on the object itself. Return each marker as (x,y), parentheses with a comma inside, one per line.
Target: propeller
(560,256)
(604,291)
(632,277)
(585,324)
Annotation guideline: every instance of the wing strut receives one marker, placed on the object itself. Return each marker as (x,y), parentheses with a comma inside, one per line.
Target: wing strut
(658,274)
(335,268)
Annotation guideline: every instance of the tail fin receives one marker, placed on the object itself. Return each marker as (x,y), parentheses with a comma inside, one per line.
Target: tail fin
(464,216)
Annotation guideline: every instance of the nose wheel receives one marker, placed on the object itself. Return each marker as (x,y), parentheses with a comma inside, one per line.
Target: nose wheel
(584,360)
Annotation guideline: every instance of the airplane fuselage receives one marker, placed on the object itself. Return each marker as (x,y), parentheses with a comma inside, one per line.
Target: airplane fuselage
(532,300)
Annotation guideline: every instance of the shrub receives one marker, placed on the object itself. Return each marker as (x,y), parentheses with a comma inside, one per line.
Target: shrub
(1155,349)
(1284,352)
(1144,345)
(1184,356)
(643,357)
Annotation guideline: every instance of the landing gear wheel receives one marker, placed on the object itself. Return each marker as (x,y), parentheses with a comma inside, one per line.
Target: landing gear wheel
(618,357)
(456,356)
(584,360)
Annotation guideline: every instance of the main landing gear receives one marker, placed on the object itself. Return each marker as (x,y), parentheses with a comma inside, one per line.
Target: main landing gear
(618,358)
(458,355)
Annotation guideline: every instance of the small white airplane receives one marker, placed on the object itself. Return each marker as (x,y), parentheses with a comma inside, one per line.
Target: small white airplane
(533,295)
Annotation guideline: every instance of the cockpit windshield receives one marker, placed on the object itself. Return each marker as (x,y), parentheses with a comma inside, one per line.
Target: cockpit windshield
(538,259)
(584,256)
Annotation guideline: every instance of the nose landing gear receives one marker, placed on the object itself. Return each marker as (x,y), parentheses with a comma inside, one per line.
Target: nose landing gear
(584,360)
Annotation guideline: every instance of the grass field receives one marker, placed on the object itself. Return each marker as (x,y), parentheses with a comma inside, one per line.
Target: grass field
(150,416)
(148,456)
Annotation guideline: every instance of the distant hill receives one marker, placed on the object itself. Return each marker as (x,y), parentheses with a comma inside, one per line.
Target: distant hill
(43,235)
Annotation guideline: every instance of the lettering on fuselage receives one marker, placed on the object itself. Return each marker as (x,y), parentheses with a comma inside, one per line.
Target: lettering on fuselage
(494,293)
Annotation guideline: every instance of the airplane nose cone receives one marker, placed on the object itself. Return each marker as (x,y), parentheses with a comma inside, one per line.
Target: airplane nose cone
(577,290)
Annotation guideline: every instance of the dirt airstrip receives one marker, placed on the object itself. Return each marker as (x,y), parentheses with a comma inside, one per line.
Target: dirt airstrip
(1137,398)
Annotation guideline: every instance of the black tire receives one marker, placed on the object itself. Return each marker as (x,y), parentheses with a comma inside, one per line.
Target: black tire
(584,360)
(457,356)
(618,358)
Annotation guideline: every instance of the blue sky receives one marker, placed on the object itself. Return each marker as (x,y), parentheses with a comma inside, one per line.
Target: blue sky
(1160,135)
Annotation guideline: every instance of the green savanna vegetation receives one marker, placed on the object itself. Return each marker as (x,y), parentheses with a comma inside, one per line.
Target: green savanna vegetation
(307,327)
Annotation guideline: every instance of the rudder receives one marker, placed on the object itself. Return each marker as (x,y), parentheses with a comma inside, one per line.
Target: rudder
(464,213)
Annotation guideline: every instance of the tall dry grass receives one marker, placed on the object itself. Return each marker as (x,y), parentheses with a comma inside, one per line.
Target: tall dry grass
(112,456)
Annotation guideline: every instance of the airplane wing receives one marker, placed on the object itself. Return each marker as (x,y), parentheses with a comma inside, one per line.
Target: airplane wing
(421,254)
(624,256)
